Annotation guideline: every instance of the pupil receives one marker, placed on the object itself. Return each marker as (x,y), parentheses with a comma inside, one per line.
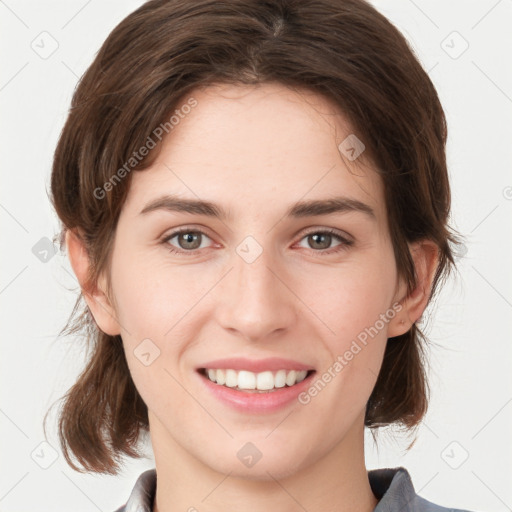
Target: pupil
(317,236)
(189,238)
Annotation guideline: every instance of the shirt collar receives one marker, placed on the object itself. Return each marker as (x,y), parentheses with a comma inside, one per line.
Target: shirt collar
(392,487)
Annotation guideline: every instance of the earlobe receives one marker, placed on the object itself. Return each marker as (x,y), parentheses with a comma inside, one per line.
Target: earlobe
(425,254)
(94,293)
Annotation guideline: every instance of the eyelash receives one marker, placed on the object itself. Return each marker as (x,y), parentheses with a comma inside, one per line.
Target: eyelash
(345,243)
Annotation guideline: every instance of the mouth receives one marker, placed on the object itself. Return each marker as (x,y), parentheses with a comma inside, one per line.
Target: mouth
(252,382)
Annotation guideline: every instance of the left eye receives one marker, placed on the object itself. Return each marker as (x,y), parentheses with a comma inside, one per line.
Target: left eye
(324,239)
(190,240)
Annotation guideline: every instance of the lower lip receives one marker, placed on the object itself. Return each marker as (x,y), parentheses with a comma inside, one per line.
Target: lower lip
(248,402)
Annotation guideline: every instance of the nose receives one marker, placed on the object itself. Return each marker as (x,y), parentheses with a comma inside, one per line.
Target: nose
(258,301)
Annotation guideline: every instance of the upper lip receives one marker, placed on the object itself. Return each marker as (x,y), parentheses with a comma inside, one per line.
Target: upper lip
(256,365)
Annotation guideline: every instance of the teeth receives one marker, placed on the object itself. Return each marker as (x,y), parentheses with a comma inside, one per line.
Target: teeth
(263,381)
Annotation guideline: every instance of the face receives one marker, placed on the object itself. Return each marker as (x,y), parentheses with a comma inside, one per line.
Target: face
(257,283)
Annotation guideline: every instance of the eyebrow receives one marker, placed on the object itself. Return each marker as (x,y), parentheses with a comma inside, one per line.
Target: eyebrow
(300,209)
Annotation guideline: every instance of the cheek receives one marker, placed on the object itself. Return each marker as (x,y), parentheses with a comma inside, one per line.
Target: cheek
(152,296)
(351,298)
(160,310)
(152,308)
(354,307)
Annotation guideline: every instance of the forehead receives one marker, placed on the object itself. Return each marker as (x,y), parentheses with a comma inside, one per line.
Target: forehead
(260,147)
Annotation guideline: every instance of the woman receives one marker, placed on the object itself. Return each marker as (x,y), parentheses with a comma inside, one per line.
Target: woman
(254,199)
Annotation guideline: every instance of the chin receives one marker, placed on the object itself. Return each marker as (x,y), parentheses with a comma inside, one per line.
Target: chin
(274,465)
(262,472)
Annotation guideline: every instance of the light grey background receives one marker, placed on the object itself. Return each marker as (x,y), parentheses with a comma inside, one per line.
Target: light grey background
(463,454)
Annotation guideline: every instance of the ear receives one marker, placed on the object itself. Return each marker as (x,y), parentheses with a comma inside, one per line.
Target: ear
(425,254)
(94,293)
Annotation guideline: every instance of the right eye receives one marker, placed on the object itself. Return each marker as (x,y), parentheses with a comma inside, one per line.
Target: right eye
(189,240)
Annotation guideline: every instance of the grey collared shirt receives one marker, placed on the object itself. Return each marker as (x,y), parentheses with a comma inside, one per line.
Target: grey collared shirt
(392,487)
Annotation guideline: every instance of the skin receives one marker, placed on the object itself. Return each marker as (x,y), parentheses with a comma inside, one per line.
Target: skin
(255,151)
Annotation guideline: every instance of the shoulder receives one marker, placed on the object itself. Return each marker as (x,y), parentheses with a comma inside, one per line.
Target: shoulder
(395,491)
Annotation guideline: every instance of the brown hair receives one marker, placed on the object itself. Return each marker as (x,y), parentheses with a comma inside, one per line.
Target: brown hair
(345,51)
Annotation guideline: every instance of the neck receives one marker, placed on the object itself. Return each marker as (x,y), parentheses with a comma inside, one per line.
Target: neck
(338,481)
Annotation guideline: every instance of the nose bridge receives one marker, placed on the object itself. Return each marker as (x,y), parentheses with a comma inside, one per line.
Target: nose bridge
(252,272)
(258,302)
